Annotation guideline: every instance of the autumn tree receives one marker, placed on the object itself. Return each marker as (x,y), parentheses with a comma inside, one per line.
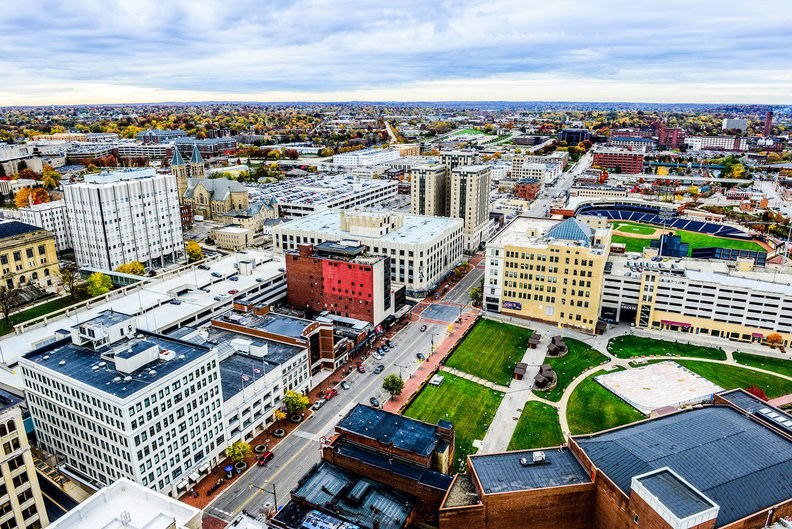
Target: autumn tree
(295,402)
(238,451)
(194,251)
(278,415)
(98,284)
(757,392)
(27,174)
(135,268)
(774,339)
(39,195)
(50,178)
(22,197)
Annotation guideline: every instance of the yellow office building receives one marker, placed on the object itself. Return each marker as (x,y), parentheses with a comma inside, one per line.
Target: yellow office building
(27,255)
(548,270)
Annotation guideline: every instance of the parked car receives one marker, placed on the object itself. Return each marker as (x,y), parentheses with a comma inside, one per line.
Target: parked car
(379,369)
(233,278)
(318,404)
(175,302)
(218,298)
(233,291)
(420,356)
(385,348)
(203,267)
(281,269)
(345,384)
(330,394)
(374,402)
(259,280)
(377,356)
(265,458)
(380,350)
(389,344)
(361,369)
(217,274)
(423,328)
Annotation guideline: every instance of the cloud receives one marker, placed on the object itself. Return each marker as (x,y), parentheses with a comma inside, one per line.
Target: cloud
(150,50)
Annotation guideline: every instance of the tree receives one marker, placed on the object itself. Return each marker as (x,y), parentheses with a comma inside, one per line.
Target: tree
(194,251)
(98,284)
(28,174)
(278,416)
(757,392)
(295,402)
(238,451)
(22,197)
(70,278)
(9,297)
(135,268)
(774,339)
(22,165)
(2,170)
(39,195)
(327,151)
(475,295)
(393,384)
(50,178)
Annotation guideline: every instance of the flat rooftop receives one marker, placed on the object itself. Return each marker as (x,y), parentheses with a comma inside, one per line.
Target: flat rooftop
(737,462)
(531,232)
(760,409)
(505,472)
(389,428)
(322,190)
(417,229)
(7,400)
(272,322)
(674,493)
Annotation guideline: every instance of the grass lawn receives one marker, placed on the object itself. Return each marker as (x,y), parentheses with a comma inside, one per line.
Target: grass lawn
(579,358)
(468,405)
(631,227)
(592,408)
(631,244)
(777,365)
(732,377)
(538,427)
(695,239)
(35,312)
(490,351)
(469,131)
(631,346)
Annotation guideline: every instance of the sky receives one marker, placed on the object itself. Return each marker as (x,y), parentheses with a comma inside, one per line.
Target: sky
(107,51)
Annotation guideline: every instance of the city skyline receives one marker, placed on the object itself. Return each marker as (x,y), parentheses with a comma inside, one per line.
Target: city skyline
(90,52)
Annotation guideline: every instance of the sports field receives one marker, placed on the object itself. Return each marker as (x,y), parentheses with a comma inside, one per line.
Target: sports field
(644,234)
(468,131)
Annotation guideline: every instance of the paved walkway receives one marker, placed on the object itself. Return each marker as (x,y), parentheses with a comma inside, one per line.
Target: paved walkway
(477,380)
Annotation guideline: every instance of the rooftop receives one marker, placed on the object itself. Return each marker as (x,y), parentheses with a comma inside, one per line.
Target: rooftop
(539,232)
(118,175)
(391,429)
(673,492)
(759,409)
(12,228)
(516,471)
(7,400)
(741,465)
(319,191)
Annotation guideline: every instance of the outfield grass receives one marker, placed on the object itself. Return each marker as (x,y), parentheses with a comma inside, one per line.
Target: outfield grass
(592,408)
(631,346)
(35,312)
(732,377)
(579,358)
(469,131)
(631,244)
(468,405)
(538,427)
(777,365)
(490,351)
(694,239)
(631,227)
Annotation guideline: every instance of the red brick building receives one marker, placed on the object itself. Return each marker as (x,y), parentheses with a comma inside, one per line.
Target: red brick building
(528,188)
(621,161)
(186,216)
(670,137)
(342,279)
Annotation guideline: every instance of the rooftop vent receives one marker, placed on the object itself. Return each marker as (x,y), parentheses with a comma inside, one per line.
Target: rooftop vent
(539,457)
(102,364)
(117,379)
(94,368)
(152,372)
(127,379)
(62,363)
(45,357)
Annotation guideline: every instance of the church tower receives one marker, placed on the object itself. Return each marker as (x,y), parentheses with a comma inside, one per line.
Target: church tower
(179,170)
(197,164)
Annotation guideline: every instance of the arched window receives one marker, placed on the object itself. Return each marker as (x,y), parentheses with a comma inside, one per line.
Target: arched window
(3,430)
(11,425)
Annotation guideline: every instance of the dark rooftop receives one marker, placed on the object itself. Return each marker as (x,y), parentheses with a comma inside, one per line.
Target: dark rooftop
(7,400)
(273,323)
(87,366)
(675,494)
(12,228)
(741,465)
(389,428)
(759,409)
(505,472)
(332,248)
(107,318)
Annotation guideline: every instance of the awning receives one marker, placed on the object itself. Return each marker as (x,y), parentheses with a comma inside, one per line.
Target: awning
(182,484)
(195,476)
(676,323)
(204,467)
(757,335)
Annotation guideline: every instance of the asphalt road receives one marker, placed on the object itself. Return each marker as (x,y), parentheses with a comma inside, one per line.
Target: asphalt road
(295,455)
(461,292)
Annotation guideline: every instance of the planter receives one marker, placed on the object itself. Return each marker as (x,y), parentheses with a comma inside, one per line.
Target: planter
(260,449)
(240,466)
(280,432)
(296,418)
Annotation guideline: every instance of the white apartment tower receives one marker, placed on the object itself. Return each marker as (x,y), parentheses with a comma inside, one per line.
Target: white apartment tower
(52,217)
(428,190)
(117,403)
(468,199)
(122,216)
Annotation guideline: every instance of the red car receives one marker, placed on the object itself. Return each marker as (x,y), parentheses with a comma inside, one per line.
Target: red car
(265,458)
(233,291)
(361,369)
(330,394)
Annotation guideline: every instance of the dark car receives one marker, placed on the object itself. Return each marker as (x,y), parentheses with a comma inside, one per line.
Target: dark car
(217,274)
(423,328)
(380,350)
(175,302)
(203,267)
(420,356)
(385,348)
(233,278)
(379,369)
(345,384)
(233,291)
(389,344)
(374,402)
(265,458)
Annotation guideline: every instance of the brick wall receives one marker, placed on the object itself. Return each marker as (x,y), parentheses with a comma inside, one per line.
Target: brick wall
(567,507)
(648,517)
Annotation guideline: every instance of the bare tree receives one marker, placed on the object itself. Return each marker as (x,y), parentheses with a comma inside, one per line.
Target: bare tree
(9,298)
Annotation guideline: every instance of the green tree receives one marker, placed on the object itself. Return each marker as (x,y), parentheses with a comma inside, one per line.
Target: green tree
(475,295)
(135,268)
(194,251)
(70,278)
(238,451)
(295,402)
(393,384)
(98,284)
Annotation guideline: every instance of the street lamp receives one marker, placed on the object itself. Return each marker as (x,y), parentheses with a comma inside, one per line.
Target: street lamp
(262,489)
(400,370)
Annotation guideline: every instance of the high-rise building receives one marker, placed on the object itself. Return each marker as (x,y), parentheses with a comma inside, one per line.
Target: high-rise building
(52,217)
(548,270)
(735,124)
(670,137)
(454,159)
(621,160)
(428,190)
(122,216)
(468,199)
(21,503)
(768,124)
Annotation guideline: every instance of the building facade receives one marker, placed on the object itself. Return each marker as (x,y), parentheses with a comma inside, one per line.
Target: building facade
(123,216)
(213,197)
(548,270)
(232,237)
(21,502)
(717,143)
(528,188)
(468,199)
(52,217)
(27,255)
(670,137)
(428,190)
(619,160)
(454,159)
(422,250)
(735,123)
(365,157)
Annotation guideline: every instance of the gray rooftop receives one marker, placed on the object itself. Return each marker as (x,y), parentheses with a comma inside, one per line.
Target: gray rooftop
(760,409)
(389,428)
(741,465)
(7,400)
(107,318)
(504,472)
(675,494)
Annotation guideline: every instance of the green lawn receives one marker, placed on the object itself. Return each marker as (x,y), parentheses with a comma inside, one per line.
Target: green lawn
(491,350)
(538,427)
(732,377)
(468,405)
(777,365)
(579,358)
(35,312)
(468,131)
(631,244)
(631,227)
(592,408)
(695,239)
(631,346)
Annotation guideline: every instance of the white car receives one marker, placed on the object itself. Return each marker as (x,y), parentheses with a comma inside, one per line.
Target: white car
(377,356)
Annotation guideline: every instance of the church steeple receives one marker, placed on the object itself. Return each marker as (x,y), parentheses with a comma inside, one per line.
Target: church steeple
(179,170)
(197,163)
